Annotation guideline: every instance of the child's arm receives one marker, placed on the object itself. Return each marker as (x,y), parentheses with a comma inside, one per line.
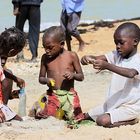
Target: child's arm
(20,82)
(127,72)
(42,75)
(78,74)
(89,59)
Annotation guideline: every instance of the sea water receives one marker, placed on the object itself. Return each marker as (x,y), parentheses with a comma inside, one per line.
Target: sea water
(94,10)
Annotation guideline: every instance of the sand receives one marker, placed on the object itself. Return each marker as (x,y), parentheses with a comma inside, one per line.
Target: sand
(92,92)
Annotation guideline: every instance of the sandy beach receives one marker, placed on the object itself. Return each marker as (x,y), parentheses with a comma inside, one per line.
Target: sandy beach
(92,91)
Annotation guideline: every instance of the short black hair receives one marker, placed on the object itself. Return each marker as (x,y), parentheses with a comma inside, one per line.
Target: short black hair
(56,32)
(12,38)
(132,29)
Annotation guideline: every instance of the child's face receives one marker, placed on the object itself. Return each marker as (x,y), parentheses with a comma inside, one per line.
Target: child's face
(10,53)
(125,45)
(52,47)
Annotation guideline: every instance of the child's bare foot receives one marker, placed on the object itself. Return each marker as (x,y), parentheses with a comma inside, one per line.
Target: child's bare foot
(18,118)
(32,113)
(130,122)
(86,117)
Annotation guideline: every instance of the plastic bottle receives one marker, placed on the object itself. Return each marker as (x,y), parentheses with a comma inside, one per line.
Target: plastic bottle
(22,103)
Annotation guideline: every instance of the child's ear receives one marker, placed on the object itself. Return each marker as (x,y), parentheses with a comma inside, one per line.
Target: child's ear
(136,41)
(62,43)
(10,52)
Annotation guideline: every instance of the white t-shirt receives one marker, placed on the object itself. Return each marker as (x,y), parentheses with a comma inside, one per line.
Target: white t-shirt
(123,97)
(123,90)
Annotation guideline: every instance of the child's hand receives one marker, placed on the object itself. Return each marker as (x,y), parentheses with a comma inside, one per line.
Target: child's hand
(51,82)
(20,82)
(16,11)
(85,60)
(99,65)
(69,75)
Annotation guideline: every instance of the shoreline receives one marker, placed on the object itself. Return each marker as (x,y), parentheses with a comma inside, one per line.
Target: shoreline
(84,23)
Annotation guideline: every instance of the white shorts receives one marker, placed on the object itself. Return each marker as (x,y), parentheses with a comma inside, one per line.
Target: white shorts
(117,115)
(8,113)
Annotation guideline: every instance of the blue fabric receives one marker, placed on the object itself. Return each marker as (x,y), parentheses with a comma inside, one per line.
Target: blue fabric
(72,5)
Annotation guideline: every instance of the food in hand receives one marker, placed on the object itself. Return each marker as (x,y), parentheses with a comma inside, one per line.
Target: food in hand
(52,83)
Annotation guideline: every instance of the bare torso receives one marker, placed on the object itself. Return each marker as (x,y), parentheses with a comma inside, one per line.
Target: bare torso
(56,68)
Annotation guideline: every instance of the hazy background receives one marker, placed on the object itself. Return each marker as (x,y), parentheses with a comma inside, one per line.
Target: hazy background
(94,10)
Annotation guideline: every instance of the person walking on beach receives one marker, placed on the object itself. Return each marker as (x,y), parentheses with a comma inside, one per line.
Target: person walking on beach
(62,68)
(70,17)
(28,10)
(12,41)
(122,106)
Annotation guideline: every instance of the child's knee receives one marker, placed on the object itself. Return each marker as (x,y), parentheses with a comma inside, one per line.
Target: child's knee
(104,120)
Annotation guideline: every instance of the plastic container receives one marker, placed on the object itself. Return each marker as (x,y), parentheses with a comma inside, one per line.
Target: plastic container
(22,103)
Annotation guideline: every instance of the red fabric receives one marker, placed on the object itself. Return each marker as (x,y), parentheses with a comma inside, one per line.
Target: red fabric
(77,107)
(1,96)
(53,104)
(50,107)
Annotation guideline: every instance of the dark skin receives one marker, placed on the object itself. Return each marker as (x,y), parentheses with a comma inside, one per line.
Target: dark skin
(2,117)
(126,46)
(60,65)
(10,53)
(7,83)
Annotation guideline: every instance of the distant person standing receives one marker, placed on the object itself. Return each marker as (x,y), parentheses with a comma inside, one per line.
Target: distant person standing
(70,17)
(28,10)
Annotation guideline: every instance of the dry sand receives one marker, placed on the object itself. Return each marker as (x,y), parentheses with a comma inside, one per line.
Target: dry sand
(91,91)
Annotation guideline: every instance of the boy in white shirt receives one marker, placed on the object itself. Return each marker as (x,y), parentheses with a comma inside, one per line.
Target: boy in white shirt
(122,106)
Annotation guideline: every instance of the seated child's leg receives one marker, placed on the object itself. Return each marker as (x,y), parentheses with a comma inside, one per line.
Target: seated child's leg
(51,106)
(93,113)
(18,118)
(8,113)
(130,122)
(45,108)
(2,117)
(105,121)
(7,90)
(78,114)
(124,115)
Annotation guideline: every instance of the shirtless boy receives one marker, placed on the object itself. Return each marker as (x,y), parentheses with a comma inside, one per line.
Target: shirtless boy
(62,67)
